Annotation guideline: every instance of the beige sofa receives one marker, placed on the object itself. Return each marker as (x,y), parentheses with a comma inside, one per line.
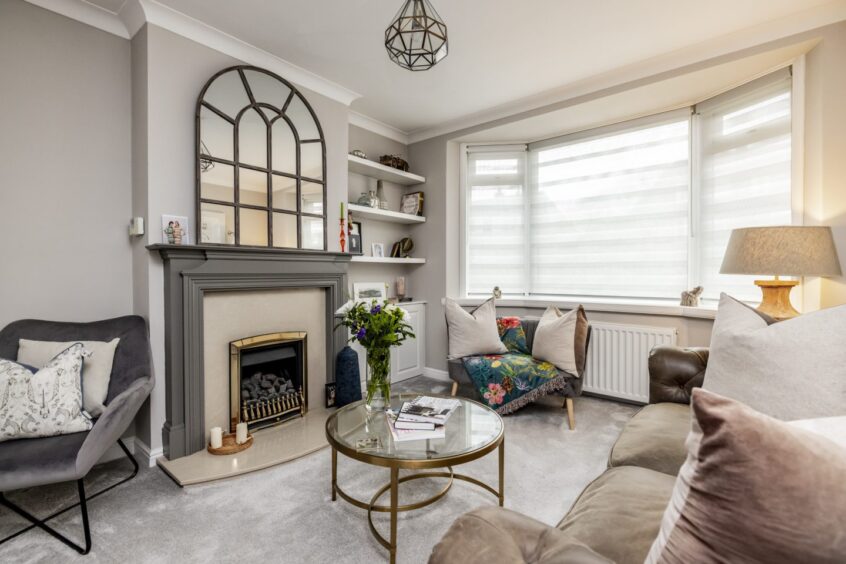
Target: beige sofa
(617,516)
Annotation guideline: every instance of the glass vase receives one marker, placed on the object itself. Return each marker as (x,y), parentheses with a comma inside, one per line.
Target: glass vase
(378,379)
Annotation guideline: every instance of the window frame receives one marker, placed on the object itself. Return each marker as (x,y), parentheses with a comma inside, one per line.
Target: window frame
(796,70)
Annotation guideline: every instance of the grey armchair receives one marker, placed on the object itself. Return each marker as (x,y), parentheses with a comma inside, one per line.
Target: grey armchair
(26,463)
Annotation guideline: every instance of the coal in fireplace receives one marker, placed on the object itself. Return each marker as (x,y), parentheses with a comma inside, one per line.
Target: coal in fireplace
(268,379)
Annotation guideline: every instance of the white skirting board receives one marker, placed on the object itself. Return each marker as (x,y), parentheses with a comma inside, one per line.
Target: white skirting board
(618,356)
(137,448)
(436,373)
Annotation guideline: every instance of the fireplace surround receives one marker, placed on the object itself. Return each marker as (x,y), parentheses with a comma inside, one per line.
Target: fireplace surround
(191,271)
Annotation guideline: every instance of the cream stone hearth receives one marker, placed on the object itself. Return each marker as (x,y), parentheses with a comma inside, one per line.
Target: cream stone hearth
(271,446)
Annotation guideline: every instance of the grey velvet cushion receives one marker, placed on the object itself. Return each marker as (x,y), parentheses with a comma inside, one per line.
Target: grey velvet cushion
(619,514)
(492,535)
(654,438)
(32,462)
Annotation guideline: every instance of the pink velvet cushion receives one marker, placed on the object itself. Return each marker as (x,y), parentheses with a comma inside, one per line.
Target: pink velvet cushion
(754,489)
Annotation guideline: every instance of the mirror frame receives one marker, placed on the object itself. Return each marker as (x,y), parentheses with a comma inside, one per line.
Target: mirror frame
(236,205)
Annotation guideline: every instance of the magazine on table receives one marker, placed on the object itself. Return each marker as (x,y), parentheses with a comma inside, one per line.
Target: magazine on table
(426,409)
(402,435)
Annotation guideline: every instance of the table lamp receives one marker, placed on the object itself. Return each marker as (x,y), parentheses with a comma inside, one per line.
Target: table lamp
(785,251)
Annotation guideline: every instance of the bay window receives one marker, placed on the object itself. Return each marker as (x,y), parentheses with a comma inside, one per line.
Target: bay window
(641,209)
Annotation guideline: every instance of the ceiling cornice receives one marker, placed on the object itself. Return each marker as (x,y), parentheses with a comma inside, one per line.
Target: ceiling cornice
(808,20)
(378,127)
(86,13)
(135,13)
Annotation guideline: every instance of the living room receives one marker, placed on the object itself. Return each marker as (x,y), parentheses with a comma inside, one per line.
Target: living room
(416,281)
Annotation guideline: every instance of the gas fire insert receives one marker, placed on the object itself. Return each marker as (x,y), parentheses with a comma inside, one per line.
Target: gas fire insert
(268,379)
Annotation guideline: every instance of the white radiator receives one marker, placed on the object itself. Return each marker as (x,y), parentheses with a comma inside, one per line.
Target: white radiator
(617,364)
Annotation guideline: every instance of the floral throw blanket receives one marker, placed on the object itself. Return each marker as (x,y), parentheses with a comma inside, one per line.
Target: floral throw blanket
(507,382)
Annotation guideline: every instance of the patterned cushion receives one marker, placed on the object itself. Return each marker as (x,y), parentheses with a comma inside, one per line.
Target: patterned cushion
(45,403)
(512,334)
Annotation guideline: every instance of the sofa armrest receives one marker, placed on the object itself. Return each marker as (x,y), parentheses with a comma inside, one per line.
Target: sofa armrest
(674,372)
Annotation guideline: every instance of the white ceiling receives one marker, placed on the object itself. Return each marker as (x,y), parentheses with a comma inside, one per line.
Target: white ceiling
(500,50)
(504,54)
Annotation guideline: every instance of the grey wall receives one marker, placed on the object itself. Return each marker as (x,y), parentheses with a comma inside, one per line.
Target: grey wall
(65,168)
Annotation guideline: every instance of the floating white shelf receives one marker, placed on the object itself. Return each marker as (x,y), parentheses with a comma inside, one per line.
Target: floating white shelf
(388,260)
(382,172)
(385,215)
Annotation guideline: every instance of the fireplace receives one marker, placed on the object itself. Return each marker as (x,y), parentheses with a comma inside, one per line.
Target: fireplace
(268,379)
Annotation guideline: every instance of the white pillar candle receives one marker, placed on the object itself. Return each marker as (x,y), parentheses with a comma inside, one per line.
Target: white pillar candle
(241,433)
(216,437)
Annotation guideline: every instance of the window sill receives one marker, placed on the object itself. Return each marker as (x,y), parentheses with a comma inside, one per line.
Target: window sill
(610,305)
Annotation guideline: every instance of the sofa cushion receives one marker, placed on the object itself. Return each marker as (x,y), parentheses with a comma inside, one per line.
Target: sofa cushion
(654,439)
(618,515)
(472,333)
(754,489)
(794,369)
(492,535)
(45,403)
(96,369)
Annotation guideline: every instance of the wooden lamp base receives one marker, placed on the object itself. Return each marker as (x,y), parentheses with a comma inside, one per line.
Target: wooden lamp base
(776,301)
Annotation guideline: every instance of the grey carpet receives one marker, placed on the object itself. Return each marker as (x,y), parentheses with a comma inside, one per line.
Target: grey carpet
(284,513)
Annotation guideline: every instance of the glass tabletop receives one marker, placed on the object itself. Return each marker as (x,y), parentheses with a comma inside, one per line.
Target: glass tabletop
(470,427)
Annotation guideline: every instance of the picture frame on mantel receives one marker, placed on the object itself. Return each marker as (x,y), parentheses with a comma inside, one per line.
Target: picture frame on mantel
(175,230)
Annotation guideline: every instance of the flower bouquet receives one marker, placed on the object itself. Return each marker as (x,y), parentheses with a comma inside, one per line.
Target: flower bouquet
(377,327)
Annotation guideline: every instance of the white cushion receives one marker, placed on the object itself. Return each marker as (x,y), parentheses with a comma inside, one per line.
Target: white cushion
(473,333)
(555,338)
(46,403)
(793,369)
(96,372)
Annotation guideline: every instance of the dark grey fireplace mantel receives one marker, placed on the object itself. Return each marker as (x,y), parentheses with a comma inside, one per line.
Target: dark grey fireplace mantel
(192,270)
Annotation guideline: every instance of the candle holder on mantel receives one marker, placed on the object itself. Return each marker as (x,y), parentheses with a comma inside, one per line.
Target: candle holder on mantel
(230,446)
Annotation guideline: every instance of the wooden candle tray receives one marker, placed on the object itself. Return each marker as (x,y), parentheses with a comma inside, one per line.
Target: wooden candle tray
(230,446)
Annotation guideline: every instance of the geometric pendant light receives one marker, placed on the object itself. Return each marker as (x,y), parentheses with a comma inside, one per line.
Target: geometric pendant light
(417,37)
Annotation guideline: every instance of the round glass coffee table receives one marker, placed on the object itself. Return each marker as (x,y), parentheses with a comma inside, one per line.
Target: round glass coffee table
(472,431)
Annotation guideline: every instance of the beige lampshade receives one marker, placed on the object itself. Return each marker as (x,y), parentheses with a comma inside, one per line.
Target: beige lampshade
(781,251)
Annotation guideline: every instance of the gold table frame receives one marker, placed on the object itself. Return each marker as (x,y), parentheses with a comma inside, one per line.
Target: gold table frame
(396,464)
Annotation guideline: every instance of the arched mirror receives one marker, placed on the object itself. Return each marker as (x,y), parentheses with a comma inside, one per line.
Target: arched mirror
(261,163)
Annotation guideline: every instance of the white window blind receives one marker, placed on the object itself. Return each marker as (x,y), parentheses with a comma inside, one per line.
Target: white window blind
(609,212)
(642,209)
(495,229)
(744,140)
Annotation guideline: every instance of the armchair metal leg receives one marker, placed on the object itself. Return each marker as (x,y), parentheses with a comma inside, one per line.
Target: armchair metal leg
(83,506)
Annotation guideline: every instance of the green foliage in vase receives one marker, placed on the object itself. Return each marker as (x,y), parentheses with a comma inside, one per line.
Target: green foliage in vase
(376,325)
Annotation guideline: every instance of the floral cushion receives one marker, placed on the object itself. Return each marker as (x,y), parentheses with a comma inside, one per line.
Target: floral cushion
(512,335)
(45,402)
(509,381)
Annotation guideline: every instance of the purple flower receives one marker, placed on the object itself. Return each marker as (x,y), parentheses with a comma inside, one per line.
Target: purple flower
(361,333)
(376,309)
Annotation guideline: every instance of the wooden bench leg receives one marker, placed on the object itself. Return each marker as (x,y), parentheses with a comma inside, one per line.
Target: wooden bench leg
(454,388)
(571,413)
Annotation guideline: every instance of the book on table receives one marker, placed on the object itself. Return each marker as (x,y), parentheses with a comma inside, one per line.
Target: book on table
(402,435)
(426,409)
